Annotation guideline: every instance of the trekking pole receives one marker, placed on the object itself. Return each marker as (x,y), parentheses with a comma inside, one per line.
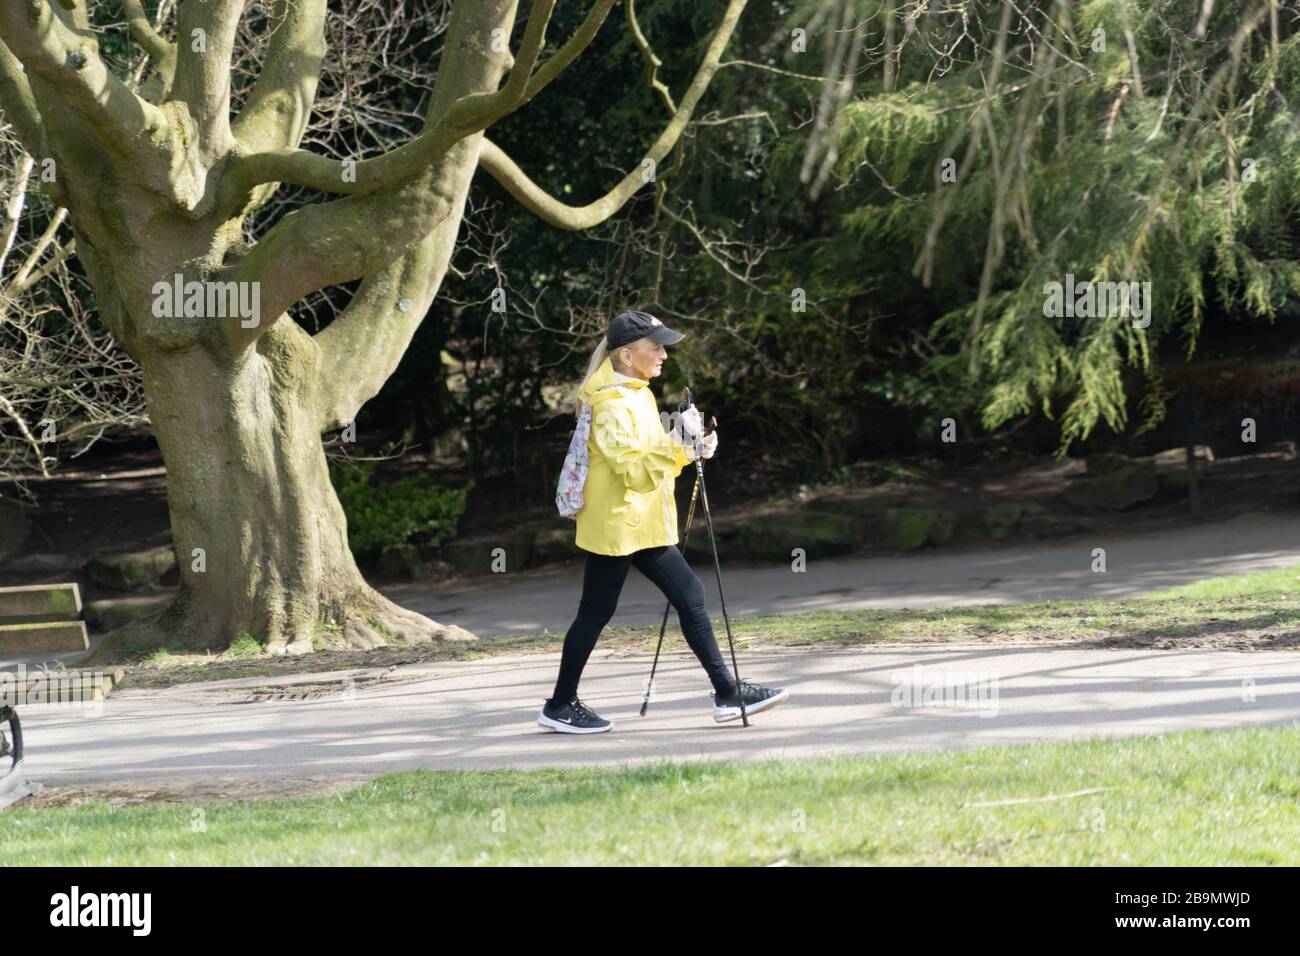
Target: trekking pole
(717,567)
(690,520)
(690,517)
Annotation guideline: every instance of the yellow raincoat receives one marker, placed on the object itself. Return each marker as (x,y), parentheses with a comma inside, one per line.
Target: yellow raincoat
(628,499)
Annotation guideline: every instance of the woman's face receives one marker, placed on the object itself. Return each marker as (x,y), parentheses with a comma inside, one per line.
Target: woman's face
(643,358)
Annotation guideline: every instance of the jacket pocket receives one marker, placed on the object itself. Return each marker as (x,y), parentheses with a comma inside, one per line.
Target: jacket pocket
(632,510)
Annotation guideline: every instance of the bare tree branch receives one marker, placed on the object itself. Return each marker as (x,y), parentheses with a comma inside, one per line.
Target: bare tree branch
(18,103)
(65,54)
(276,112)
(63,380)
(467,115)
(160,50)
(550,210)
(326,244)
(207,39)
(652,61)
(362,347)
(329,243)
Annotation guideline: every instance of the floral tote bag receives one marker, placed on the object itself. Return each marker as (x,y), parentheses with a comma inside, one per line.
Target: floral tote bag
(568,493)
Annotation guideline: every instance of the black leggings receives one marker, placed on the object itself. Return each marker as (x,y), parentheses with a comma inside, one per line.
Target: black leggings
(602,582)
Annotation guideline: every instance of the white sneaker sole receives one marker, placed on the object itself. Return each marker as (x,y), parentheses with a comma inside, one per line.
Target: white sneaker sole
(724,714)
(560,726)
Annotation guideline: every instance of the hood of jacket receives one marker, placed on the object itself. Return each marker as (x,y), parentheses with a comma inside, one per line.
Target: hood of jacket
(605,383)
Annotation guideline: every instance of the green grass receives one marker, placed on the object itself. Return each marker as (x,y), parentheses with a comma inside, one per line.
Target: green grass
(1259,610)
(1279,581)
(246,645)
(1187,799)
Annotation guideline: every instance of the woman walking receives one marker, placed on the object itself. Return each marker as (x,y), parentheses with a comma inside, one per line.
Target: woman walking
(629,518)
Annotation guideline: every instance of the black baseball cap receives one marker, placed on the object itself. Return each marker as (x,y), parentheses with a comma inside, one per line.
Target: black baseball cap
(630,326)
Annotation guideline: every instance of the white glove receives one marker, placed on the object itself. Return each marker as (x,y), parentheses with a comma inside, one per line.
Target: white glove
(689,424)
(710,444)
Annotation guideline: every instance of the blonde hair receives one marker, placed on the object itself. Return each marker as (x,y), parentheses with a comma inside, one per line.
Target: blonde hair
(597,357)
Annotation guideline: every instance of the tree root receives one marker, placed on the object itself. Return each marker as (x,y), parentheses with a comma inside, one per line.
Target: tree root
(366,620)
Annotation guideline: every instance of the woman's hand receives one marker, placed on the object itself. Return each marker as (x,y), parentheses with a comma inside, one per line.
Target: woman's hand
(689,424)
(710,444)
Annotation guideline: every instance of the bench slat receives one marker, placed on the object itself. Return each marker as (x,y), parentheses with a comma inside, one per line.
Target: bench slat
(40,603)
(67,686)
(45,636)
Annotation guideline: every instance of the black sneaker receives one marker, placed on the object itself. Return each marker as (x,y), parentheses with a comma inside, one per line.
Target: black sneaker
(575,717)
(757,699)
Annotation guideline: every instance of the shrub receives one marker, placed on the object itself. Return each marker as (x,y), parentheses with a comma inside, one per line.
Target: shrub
(412,508)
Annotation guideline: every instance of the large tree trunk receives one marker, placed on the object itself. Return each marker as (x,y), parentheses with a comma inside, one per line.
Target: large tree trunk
(258,530)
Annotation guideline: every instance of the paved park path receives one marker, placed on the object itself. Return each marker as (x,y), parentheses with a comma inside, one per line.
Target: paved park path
(479,714)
